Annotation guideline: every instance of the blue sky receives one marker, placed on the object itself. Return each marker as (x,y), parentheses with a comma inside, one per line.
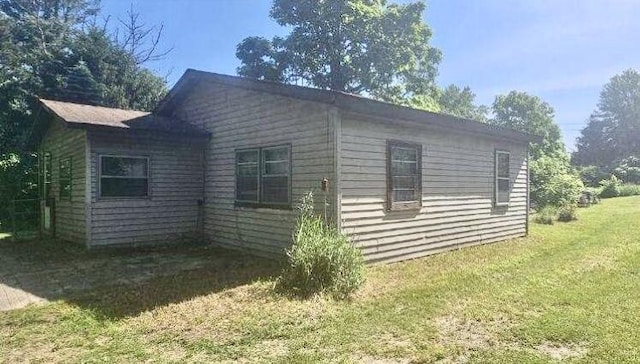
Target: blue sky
(561,50)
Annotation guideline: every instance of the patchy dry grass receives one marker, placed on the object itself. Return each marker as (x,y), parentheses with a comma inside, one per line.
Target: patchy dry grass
(569,292)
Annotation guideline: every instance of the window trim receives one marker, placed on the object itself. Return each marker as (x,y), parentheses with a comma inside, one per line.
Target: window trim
(47,156)
(403,205)
(60,179)
(133,156)
(497,178)
(259,204)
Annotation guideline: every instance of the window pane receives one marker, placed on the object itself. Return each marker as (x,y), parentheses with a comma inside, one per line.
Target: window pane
(247,156)
(503,165)
(124,166)
(65,168)
(503,190)
(400,183)
(403,154)
(405,196)
(275,154)
(247,188)
(403,168)
(276,168)
(275,189)
(248,169)
(123,187)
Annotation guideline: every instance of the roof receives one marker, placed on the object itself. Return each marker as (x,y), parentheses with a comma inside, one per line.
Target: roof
(85,116)
(342,100)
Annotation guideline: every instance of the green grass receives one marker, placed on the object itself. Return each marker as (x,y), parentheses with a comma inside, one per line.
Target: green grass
(569,291)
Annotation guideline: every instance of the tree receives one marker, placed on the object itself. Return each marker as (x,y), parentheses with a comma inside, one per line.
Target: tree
(357,46)
(54,49)
(530,114)
(81,87)
(553,181)
(613,130)
(461,102)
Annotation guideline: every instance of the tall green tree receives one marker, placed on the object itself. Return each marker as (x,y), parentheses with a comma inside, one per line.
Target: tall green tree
(357,46)
(613,130)
(553,181)
(461,102)
(530,114)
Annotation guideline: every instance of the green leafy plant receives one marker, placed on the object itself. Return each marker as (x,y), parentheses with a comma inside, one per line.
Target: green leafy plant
(567,213)
(628,189)
(610,187)
(545,215)
(321,259)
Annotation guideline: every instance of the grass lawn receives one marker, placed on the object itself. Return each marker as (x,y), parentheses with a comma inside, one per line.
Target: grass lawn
(570,291)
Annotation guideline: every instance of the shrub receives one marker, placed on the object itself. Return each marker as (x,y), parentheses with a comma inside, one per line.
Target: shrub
(628,170)
(321,259)
(628,190)
(592,175)
(567,213)
(545,215)
(553,182)
(610,187)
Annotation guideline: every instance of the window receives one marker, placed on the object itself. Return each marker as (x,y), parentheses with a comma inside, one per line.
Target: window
(46,175)
(502,183)
(65,179)
(263,176)
(404,175)
(124,176)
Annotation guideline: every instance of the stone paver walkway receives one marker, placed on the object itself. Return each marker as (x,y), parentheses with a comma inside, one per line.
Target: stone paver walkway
(32,272)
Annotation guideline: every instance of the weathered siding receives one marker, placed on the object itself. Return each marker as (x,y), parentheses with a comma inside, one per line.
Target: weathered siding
(240,118)
(70,215)
(457,191)
(171,213)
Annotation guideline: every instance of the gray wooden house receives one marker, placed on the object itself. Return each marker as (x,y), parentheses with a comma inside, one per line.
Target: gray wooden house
(224,159)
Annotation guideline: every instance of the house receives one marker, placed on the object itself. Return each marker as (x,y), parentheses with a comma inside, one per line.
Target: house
(225,159)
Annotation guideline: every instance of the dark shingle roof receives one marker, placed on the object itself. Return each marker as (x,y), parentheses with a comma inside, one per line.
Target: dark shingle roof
(84,116)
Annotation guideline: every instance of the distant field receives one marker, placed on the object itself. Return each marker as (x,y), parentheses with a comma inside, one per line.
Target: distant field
(569,291)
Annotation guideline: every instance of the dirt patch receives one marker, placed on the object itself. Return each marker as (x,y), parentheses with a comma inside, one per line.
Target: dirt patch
(371,360)
(468,335)
(562,351)
(596,263)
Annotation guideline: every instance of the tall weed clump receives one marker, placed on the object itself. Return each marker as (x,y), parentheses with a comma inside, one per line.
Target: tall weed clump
(321,259)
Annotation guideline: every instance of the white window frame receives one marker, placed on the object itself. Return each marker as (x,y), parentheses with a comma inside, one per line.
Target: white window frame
(497,178)
(129,156)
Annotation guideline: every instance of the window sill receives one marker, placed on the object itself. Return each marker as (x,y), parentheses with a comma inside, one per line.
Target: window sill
(123,198)
(262,206)
(405,206)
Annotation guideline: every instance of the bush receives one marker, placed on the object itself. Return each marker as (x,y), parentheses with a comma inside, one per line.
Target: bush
(567,213)
(592,175)
(321,259)
(610,187)
(553,182)
(628,170)
(628,190)
(545,215)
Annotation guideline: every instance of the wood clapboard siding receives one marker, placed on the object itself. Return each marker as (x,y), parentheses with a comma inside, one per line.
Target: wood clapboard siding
(457,191)
(63,142)
(171,214)
(240,118)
